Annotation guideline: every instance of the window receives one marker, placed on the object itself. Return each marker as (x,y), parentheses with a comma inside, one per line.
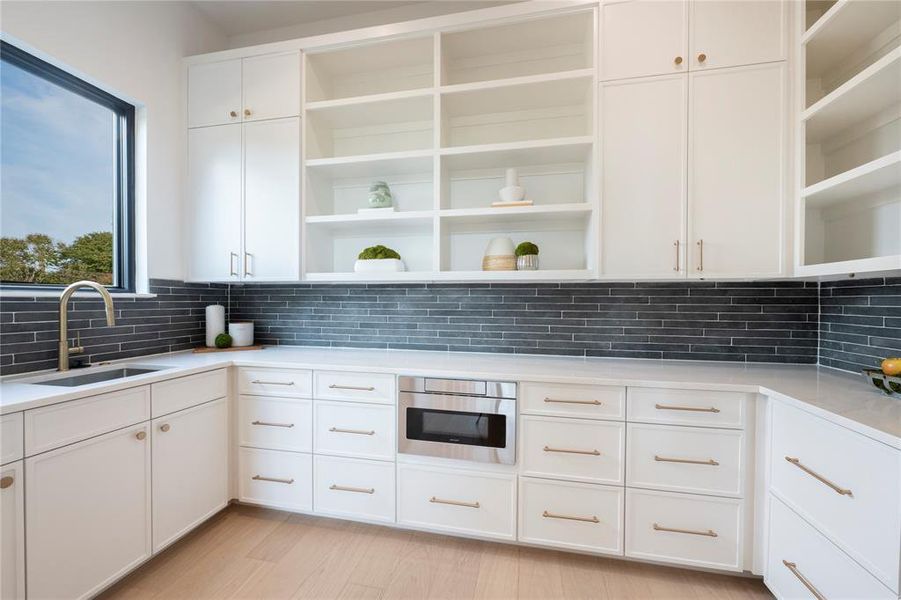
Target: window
(66,178)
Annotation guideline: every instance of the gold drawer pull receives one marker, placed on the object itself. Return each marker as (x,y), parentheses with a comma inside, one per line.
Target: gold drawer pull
(708,533)
(556,401)
(6,482)
(261,382)
(267,424)
(272,479)
(591,519)
(355,431)
(359,490)
(711,409)
(793,567)
(688,461)
(818,477)
(435,500)
(571,451)
(359,388)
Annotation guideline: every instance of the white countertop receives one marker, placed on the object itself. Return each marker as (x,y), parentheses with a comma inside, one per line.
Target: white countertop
(843,398)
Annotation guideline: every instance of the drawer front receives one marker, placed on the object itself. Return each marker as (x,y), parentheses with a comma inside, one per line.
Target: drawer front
(287,383)
(356,488)
(685,459)
(352,429)
(276,479)
(680,528)
(276,423)
(704,408)
(12,444)
(178,394)
(579,516)
(847,485)
(481,504)
(588,451)
(799,556)
(69,422)
(570,400)
(359,387)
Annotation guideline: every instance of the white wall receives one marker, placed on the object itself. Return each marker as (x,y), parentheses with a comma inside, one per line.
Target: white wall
(133,49)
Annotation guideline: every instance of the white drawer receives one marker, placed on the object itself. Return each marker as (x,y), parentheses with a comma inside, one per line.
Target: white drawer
(573,400)
(288,383)
(860,513)
(467,502)
(69,422)
(588,451)
(276,479)
(815,559)
(276,423)
(184,392)
(681,528)
(704,408)
(359,387)
(353,429)
(580,516)
(12,444)
(685,459)
(349,487)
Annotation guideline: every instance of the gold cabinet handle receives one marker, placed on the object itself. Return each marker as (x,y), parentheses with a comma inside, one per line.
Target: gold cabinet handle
(272,479)
(231,264)
(435,500)
(676,243)
(557,401)
(688,461)
(700,255)
(247,112)
(678,60)
(702,57)
(571,451)
(141,435)
(261,382)
(247,271)
(591,519)
(359,388)
(793,567)
(708,533)
(344,488)
(165,427)
(233,114)
(354,431)
(838,490)
(711,409)
(267,424)
(6,482)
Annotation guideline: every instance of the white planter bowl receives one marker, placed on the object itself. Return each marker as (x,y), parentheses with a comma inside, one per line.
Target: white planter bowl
(241,332)
(379,265)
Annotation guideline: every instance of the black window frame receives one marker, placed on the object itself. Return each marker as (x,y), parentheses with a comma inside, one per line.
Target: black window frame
(124,234)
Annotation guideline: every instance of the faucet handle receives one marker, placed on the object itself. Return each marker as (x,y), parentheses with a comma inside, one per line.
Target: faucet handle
(77,348)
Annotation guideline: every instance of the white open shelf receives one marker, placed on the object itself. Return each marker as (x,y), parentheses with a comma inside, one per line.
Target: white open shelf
(865,180)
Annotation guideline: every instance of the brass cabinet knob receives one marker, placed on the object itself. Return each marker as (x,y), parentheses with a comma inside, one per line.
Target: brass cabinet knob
(678,60)
(233,114)
(247,112)
(141,435)
(6,482)
(702,57)
(164,427)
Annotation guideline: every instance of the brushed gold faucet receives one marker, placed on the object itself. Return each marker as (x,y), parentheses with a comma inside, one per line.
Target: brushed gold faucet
(64,349)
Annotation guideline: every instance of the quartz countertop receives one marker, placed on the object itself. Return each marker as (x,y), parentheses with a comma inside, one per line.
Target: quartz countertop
(843,398)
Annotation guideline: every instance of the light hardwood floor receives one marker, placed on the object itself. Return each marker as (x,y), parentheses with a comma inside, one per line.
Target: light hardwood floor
(247,552)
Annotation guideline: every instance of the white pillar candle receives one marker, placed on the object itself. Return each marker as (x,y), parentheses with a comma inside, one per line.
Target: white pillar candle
(215,323)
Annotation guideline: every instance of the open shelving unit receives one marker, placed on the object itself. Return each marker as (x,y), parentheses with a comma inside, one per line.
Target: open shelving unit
(440,118)
(849,210)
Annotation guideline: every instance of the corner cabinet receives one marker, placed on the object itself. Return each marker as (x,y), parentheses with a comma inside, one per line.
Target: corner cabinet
(12,531)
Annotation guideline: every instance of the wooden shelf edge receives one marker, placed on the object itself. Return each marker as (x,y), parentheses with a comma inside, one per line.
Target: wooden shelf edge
(493,84)
(884,63)
(857,173)
(876,264)
(318,105)
(455,276)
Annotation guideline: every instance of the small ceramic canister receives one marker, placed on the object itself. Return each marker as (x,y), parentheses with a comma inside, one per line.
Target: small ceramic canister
(241,332)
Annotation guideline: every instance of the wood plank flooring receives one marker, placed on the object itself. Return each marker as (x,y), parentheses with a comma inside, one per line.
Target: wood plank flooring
(253,553)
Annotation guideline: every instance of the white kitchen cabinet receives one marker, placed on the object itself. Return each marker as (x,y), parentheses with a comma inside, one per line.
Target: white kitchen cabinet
(643,38)
(190,469)
(214,203)
(214,93)
(272,200)
(12,531)
(644,131)
(736,171)
(87,513)
(726,33)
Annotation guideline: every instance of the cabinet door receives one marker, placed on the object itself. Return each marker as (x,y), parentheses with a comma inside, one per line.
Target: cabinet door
(736,165)
(271,86)
(729,33)
(12,531)
(214,93)
(214,203)
(644,163)
(643,37)
(272,200)
(190,469)
(87,513)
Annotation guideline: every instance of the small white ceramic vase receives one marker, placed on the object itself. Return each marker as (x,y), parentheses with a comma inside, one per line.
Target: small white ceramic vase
(511,192)
(241,332)
(379,265)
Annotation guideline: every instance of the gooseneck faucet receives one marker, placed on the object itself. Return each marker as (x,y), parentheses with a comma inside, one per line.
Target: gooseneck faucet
(64,349)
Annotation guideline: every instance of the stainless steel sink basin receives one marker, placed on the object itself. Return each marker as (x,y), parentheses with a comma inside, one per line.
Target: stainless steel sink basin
(78,379)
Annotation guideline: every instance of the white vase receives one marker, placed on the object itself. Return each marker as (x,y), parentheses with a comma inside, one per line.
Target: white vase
(511,192)
(215,323)
(379,265)
(241,332)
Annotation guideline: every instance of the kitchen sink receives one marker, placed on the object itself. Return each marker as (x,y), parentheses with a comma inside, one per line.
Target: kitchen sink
(94,376)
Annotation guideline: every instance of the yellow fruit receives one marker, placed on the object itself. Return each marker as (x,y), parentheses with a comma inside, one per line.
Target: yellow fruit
(891,366)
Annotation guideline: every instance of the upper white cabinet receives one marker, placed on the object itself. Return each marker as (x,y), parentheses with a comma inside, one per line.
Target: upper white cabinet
(643,37)
(259,87)
(727,33)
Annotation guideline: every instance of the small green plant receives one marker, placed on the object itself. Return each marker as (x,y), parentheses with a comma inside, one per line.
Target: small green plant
(378,252)
(223,340)
(526,249)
